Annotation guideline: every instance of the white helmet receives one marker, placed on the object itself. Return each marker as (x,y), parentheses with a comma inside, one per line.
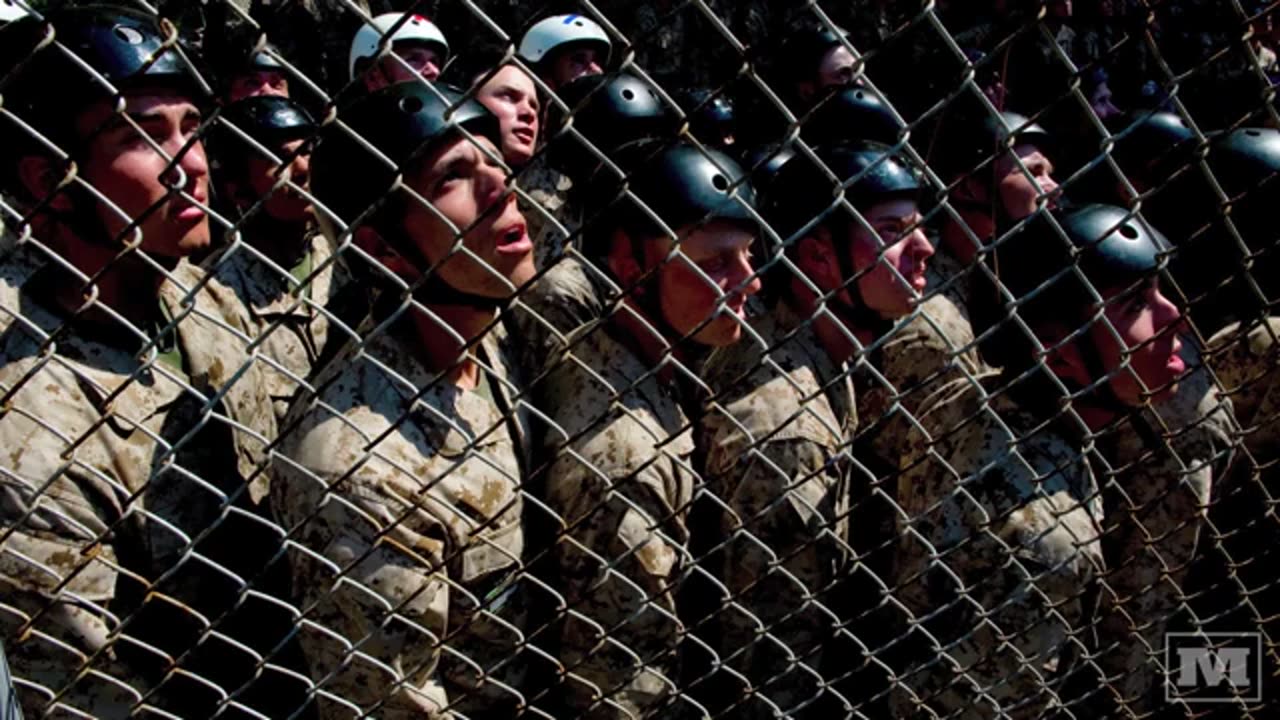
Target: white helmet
(548,34)
(415,27)
(10,11)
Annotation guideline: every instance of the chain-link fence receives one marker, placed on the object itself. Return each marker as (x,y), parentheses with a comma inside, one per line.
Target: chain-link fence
(620,360)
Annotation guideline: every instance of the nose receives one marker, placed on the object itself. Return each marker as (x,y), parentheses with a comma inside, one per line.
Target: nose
(921,248)
(430,71)
(189,167)
(491,185)
(300,170)
(525,113)
(1048,186)
(1166,313)
(593,68)
(744,276)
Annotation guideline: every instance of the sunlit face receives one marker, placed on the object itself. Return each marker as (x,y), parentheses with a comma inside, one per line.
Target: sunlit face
(469,189)
(259,81)
(1147,323)
(1018,193)
(122,165)
(575,62)
(412,60)
(721,251)
(891,261)
(512,97)
(285,204)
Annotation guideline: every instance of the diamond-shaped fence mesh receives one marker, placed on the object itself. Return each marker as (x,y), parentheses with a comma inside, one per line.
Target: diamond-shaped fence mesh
(639,360)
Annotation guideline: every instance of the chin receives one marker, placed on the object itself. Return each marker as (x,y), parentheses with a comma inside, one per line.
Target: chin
(719,333)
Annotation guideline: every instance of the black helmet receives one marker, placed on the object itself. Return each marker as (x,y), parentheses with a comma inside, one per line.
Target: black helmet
(765,163)
(850,115)
(609,111)
(868,172)
(679,183)
(404,122)
(802,51)
(711,116)
(973,141)
(124,46)
(1111,246)
(269,119)
(1245,160)
(1151,145)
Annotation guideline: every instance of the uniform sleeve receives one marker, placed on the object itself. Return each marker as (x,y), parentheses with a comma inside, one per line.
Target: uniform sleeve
(370,576)
(786,546)
(996,557)
(619,558)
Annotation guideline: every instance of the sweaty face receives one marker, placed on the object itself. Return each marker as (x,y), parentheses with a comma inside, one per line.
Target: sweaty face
(412,60)
(1147,323)
(1018,193)
(573,63)
(285,203)
(468,189)
(891,261)
(513,98)
(722,251)
(123,164)
(259,82)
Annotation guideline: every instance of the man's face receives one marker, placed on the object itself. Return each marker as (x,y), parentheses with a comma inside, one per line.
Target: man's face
(512,97)
(721,251)
(260,81)
(1147,323)
(572,63)
(1016,191)
(891,261)
(469,189)
(122,165)
(285,203)
(1101,103)
(412,60)
(836,68)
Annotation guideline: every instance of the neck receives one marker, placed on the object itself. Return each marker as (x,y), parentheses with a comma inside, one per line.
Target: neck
(832,328)
(127,284)
(282,241)
(644,336)
(439,348)
(957,240)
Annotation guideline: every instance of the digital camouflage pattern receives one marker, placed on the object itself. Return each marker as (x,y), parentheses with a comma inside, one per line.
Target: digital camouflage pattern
(289,314)
(999,550)
(100,502)
(777,455)
(402,491)
(622,482)
(1244,357)
(1161,480)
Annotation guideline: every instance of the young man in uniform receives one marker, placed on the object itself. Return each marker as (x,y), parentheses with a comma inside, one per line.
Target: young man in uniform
(283,269)
(1000,563)
(621,479)
(777,438)
(401,482)
(140,424)
(415,48)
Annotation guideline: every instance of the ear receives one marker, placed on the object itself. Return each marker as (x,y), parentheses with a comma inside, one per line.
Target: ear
(368,240)
(1065,360)
(622,260)
(40,177)
(816,257)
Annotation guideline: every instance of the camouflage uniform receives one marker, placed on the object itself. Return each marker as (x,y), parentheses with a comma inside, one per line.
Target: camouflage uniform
(98,499)
(295,344)
(776,454)
(1157,503)
(404,490)
(997,558)
(1244,357)
(622,483)
(552,217)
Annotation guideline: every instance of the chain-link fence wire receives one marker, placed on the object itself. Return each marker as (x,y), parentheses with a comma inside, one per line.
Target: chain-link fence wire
(257,468)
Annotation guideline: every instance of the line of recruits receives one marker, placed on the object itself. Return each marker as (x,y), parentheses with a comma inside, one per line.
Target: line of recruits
(380,453)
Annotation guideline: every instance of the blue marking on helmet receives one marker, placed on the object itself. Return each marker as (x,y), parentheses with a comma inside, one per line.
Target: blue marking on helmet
(569,19)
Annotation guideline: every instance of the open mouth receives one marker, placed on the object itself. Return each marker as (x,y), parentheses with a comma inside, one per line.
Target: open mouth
(525,135)
(514,240)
